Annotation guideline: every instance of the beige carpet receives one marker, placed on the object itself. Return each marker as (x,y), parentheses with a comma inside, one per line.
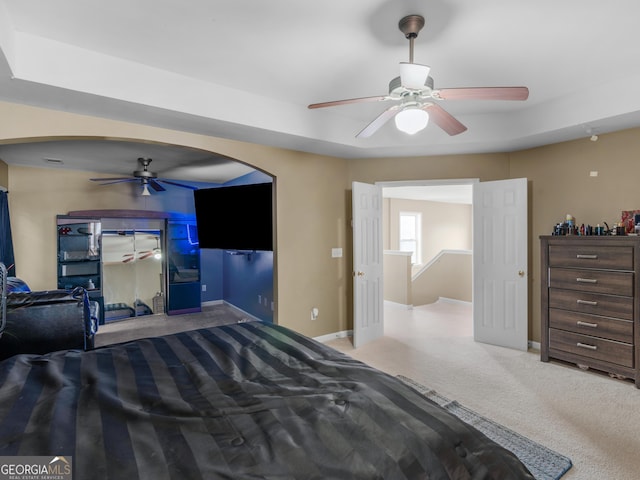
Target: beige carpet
(156,325)
(591,418)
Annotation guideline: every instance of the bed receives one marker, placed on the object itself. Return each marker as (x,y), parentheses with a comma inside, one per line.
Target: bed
(248,400)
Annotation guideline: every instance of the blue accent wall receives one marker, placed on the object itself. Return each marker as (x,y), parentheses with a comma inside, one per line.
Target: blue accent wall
(243,280)
(211,274)
(248,282)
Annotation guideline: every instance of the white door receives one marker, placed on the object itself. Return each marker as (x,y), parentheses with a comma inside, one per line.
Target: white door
(500,263)
(367,263)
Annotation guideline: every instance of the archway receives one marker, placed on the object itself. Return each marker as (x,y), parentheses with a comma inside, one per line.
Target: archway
(63,166)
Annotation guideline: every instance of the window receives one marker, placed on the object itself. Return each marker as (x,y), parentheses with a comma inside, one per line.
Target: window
(410,238)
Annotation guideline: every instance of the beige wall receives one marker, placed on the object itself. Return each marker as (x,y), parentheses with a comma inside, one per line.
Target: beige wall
(445,226)
(397,277)
(4,174)
(559,183)
(313,201)
(486,167)
(450,276)
(311,209)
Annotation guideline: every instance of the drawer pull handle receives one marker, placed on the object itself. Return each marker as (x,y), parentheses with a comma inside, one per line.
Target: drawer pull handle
(588,257)
(587,302)
(587,280)
(587,346)
(580,323)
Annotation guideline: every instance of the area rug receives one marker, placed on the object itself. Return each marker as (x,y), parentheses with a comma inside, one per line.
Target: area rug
(542,462)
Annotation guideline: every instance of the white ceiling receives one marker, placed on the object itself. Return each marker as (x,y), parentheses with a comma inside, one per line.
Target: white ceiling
(446,193)
(247,69)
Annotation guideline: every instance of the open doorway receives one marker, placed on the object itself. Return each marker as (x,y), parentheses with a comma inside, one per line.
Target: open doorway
(431,221)
(499,279)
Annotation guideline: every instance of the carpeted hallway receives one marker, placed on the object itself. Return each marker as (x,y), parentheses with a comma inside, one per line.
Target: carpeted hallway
(589,417)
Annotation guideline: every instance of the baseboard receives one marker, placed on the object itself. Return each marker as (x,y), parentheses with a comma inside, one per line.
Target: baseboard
(333,336)
(230,305)
(534,345)
(239,310)
(210,303)
(453,300)
(389,303)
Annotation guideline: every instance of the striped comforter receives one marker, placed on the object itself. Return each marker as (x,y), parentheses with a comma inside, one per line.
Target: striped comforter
(243,401)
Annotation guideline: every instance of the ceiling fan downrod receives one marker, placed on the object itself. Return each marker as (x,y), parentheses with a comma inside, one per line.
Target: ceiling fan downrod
(411,26)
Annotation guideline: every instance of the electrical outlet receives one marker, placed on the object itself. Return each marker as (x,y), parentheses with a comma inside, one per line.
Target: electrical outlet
(260,299)
(204,287)
(314,313)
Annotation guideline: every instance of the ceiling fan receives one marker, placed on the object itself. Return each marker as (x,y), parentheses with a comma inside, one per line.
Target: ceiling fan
(144,254)
(145,177)
(417,100)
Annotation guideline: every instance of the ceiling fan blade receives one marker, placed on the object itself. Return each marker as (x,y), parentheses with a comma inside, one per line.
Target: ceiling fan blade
(444,119)
(108,179)
(178,184)
(156,186)
(335,103)
(483,93)
(115,180)
(379,121)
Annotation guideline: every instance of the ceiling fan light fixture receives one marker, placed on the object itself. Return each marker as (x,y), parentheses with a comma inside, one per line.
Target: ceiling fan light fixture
(411,120)
(145,190)
(413,75)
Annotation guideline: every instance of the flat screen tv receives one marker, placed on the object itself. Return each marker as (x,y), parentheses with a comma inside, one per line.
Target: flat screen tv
(235,218)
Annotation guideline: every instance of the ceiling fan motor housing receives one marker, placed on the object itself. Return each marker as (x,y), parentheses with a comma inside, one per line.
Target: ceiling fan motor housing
(144,174)
(396,88)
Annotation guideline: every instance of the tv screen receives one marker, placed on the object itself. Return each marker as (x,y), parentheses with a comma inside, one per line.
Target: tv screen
(235,218)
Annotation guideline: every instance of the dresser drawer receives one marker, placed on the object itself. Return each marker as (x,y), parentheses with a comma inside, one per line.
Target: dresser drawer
(603,327)
(592,347)
(593,303)
(595,281)
(604,257)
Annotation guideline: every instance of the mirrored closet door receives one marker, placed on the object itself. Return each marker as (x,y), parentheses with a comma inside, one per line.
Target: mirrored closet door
(132,268)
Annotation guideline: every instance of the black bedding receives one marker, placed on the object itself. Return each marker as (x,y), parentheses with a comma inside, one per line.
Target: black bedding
(244,401)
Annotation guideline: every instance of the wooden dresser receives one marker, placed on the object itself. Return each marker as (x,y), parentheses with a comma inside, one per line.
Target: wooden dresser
(591,302)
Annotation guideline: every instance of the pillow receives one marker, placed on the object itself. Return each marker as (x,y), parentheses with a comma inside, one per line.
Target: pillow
(15,284)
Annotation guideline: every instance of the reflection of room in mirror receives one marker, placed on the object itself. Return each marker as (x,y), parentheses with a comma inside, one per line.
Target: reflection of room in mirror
(132,272)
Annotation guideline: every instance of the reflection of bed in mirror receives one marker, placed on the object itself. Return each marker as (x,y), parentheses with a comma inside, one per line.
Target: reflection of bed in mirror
(132,272)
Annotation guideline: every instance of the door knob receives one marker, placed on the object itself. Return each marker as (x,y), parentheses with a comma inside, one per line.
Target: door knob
(360,274)
(521,273)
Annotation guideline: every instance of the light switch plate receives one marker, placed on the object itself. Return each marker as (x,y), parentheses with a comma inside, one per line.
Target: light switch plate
(336,252)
